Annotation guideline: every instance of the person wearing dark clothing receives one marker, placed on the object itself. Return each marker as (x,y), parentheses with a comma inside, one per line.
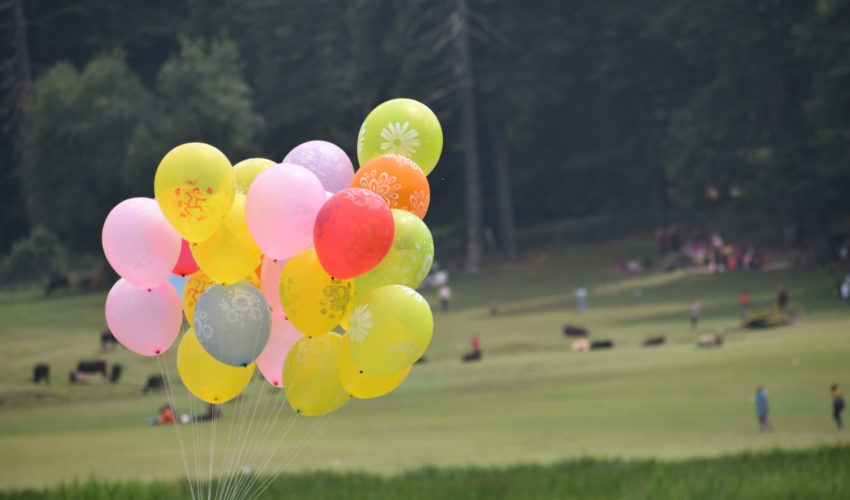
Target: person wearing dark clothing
(782,297)
(837,406)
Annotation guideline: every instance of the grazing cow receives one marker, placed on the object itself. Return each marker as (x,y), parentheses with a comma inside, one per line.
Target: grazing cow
(580,345)
(107,339)
(115,373)
(654,341)
(601,344)
(154,383)
(41,372)
(575,331)
(420,361)
(710,340)
(92,366)
(56,283)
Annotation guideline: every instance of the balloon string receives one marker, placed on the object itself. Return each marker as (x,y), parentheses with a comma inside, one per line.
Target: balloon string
(297,449)
(194,427)
(166,378)
(295,452)
(231,452)
(251,395)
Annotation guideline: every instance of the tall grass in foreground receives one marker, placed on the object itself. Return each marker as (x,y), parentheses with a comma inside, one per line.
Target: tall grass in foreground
(822,473)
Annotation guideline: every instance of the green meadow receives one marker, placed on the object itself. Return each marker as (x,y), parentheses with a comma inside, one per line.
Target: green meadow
(648,417)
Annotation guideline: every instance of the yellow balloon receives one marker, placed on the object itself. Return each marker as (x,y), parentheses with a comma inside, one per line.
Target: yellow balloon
(389,330)
(310,376)
(197,284)
(230,253)
(313,301)
(206,377)
(360,384)
(194,186)
(248,170)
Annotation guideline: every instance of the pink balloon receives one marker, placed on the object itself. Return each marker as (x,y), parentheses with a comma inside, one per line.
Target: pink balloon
(281,208)
(146,321)
(328,161)
(270,271)
(281,340)
(139,243)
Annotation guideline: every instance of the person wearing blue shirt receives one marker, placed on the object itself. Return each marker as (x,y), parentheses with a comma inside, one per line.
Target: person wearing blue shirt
(763,408)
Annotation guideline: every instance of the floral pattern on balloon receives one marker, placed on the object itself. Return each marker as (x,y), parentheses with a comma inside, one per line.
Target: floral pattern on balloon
(400,139)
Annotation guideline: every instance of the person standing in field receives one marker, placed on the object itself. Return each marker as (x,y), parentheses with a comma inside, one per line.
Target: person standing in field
(581,299)
(444,294)
(693,312)
(837,406)
(744,303)
(782,297)
(763,408)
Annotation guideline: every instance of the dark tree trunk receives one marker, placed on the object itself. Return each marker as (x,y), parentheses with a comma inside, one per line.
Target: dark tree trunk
(504,197)
(463,72)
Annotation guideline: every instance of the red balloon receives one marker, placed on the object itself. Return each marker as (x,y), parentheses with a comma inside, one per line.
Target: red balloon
(186,263)
(353,232)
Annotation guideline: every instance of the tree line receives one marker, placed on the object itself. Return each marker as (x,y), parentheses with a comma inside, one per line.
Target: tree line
(550,109)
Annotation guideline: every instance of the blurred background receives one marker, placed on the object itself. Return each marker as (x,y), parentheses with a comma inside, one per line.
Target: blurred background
(589,145)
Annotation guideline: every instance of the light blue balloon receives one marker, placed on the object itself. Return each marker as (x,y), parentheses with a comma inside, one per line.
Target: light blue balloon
(233,322)
(179,283)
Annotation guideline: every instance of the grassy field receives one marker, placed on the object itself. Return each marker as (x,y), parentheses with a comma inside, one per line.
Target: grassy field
(530,400)
(815,474)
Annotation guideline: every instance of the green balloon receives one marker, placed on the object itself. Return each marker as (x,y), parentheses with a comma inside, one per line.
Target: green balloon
(403,127)
(409,259)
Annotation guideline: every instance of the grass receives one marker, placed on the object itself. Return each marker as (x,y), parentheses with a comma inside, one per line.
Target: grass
(820,473)
(530,400)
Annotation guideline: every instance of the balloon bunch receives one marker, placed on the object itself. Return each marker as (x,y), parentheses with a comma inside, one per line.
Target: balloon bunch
(268,261)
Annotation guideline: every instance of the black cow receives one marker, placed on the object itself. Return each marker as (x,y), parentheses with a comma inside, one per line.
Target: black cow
(601,344)
(575,331)
(154,383)
(56,283)
(107,339)
(115,373)
(92,366)
(654,341)
(41,372)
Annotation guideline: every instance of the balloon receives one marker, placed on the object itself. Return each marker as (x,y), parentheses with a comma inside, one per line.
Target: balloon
(248,170)
(233,322)
(390,330)
(399,181)
(310,377)
(146,321)
(230,253)
(207,378)
(312,300)
(281,208)
(330,163)
(179,284)
(403,127)
(194,186)
(353,232)
(270,272)
(361,385)
(186,264)
(139,243)
(409,259)
(197,284)
(281,340)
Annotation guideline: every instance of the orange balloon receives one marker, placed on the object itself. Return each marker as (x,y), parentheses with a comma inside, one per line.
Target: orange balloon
(398,180)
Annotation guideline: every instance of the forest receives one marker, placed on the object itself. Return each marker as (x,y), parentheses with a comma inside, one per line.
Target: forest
(637,113)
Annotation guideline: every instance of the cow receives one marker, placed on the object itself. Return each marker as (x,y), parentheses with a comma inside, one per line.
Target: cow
(654,341)
(154,383)
(601,344)
(710,340)
(41,372)
(107,339)
(575,331)
(92,366)
(115,373)
(55,283)
(471,356)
